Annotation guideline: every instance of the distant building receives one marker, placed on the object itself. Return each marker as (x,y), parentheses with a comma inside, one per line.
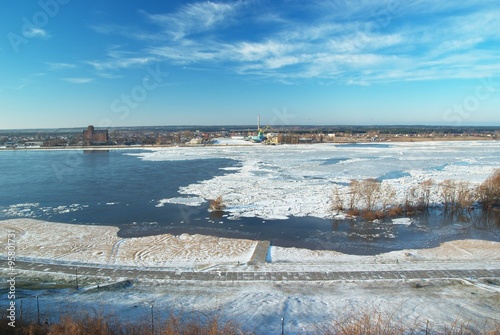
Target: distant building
(95,137)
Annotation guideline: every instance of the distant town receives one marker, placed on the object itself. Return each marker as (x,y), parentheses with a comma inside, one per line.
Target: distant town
(206,135)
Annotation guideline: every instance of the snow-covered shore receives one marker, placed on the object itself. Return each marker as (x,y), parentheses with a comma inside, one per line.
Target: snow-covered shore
(100,245)
(256,306)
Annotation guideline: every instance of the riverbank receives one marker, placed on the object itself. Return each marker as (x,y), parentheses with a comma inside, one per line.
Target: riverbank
(239,142)
(100,246)
(307,288)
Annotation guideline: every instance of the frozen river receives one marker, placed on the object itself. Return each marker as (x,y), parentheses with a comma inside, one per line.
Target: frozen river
(277,193)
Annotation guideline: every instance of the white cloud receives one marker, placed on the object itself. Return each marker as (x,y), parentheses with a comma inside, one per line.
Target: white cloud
(78,80)
(117,63)
(120,59)
(194,18)
(36,32)
(60,66)
(352,42)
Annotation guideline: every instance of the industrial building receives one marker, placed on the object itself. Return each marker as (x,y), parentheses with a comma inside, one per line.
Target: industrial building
(91,136)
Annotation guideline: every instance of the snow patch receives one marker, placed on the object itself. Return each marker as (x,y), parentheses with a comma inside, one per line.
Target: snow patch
(187,201)
(402,221)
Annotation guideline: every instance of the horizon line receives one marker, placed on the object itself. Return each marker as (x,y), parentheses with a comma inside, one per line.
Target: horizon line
(253,126)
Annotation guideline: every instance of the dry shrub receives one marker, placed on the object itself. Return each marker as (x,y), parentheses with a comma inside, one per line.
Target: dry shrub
(488,192)
(395,211)
(380,215)
(410,200)
(83,326)
(465,195)
(337,201)
(360,322)
(370,192)
(368,216)
(424,193)
(354,193)
(110,326)
(217,204)
(388,195)
(212,326)
(366,323)
(373,215)
(353,212)
(373,322)
(448,192)
(418,198)
(461,327)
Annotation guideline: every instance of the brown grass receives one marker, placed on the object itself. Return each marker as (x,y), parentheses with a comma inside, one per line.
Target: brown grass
(373,322)
(109,326)
(365,322)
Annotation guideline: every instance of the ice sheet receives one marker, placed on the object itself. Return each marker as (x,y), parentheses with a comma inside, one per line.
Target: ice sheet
(299,180)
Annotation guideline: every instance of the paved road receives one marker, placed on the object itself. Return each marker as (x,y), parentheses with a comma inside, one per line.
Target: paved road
(133,273)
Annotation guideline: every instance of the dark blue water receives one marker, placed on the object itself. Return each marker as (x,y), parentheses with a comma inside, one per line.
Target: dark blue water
(99,188)
(114,188)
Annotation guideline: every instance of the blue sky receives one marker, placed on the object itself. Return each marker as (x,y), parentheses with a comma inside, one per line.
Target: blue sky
(68,63)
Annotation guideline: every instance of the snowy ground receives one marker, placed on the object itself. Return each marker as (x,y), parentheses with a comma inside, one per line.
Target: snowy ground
(99,245)
(49,241)
(276,182)
(257,306)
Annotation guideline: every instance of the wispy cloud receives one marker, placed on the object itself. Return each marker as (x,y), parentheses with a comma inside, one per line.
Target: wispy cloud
(194,18)
(120,59)
(15,88)
(36,32)
(78,80)
(352,42)
(60,66)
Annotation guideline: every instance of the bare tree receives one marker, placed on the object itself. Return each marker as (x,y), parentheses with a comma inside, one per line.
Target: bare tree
(425,190)
(488,192)
(465,195)
(370,193)
(410,200)
(388,194)
(337,201)
(354,192)
(448,191)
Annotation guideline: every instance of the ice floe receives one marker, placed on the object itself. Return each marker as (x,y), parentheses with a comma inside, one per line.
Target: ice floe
(188,201)
(402,221)
(298,180)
